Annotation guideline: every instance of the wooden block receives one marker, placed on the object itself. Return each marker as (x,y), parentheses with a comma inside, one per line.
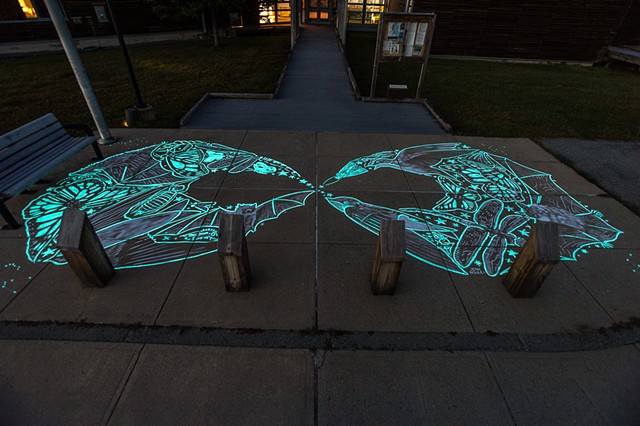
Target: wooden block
(388,257)
(233,252)
(81,247)
(534,263)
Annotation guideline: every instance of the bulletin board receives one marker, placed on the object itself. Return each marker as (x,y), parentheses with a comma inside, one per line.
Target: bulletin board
(404,37)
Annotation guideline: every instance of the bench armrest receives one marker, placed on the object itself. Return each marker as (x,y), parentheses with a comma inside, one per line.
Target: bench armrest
(78,127)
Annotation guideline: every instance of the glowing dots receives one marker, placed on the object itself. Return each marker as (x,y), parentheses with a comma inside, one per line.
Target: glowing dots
(10,277)
(635,267)
(488,206)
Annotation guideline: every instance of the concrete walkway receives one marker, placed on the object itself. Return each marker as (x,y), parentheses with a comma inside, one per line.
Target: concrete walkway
(309,344)
(91,43)
(316,95)
(612,165)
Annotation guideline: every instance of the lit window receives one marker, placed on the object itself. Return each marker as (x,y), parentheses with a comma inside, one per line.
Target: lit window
(28,9)
(275,13)
(364,11)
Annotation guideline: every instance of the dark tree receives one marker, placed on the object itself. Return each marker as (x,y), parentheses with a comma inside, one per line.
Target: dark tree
(180,9)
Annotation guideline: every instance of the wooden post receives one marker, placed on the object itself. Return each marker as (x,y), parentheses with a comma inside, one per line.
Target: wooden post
(81,247)
(388,257)
(534,263)
(233,253)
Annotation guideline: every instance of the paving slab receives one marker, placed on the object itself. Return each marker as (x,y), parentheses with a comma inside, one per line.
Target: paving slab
(296,225)
(612,277)
(232,138)
(566,178)
(390,388)
(281,294)
(561,304)
(516,149)
(250,179)
(276,144)
(332,144)
(613,165)
(203,385)
(132,296)
(336,227)
(597,387)
(383,179)
(425,298)
(401,141)
(62,383)
(617,216)
(16,270)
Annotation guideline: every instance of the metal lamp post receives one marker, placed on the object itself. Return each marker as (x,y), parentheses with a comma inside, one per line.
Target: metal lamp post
(60,23)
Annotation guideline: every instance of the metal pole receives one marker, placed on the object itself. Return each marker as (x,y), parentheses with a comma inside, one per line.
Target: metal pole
(57,16)
(127,60)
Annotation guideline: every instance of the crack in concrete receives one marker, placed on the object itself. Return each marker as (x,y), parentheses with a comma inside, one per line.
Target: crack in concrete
(621,334)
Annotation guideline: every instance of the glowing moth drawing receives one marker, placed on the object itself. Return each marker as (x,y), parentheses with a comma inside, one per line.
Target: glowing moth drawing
(139,204)
(486,211)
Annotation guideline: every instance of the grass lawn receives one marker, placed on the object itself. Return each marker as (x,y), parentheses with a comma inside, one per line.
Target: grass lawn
(514,100)
(172,77)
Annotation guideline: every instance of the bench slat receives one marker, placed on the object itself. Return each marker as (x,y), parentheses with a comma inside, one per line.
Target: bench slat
(40,167)
(26,130)
(35,145)
(44,151)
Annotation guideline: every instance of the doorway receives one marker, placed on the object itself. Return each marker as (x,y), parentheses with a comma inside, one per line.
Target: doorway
(318,11)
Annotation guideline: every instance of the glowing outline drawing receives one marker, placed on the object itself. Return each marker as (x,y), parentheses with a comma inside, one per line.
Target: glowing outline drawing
(488,206)
(138,203)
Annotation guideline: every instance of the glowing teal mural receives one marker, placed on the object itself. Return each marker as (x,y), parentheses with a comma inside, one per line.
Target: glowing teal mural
(486,211)
(139,204)
(144,213)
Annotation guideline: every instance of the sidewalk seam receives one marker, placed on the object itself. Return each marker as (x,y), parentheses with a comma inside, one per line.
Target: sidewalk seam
(124,385)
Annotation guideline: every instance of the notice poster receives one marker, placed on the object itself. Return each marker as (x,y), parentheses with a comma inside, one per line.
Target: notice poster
(421,36)
(395,30)
(412,28)
(392,45)
(391,48)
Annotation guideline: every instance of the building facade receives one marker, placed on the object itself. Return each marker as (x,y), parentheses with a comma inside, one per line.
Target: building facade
(28,20)
(563,30)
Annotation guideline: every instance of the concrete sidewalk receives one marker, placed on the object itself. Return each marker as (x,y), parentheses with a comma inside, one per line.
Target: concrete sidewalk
(91,43)
(315,95)
(309,344)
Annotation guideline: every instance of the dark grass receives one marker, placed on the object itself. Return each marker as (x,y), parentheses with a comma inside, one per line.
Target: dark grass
(504,99)
(172,78)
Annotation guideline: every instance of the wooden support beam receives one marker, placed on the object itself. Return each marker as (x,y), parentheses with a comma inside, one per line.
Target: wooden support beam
(81,247)
(233,253)
(388,257)
(534,263)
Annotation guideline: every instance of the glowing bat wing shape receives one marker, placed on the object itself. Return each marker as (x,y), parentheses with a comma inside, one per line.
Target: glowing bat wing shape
(254,215)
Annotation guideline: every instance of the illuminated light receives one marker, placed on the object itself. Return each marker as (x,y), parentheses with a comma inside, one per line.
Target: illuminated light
(125,124)
(28,9)
(488,206)
(138,202)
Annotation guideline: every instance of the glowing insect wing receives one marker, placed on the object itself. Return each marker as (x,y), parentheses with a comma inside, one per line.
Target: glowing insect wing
(456,197)
(493,255)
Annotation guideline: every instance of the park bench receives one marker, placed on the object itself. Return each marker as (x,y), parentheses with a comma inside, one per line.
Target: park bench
(31,152)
